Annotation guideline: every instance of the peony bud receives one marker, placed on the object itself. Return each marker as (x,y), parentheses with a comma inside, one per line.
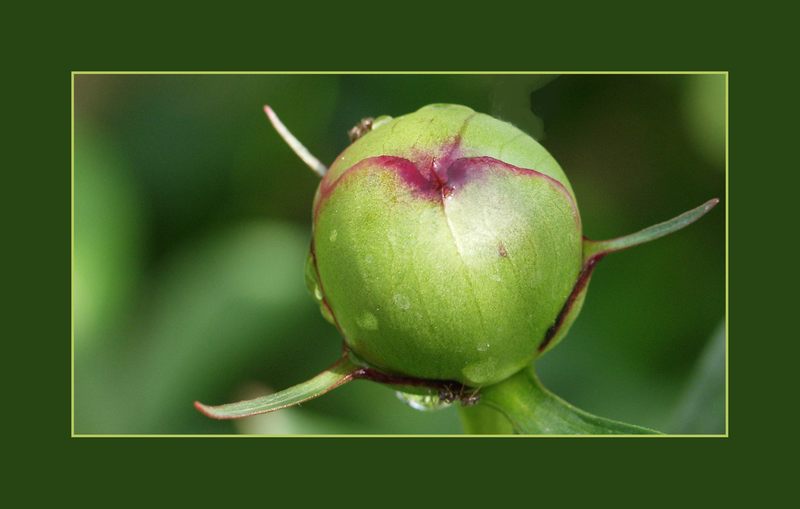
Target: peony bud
(445,245)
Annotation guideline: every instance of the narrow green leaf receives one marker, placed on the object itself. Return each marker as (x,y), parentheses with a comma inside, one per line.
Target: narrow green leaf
(702,407)
(338,374)
(532,409)
(594,248)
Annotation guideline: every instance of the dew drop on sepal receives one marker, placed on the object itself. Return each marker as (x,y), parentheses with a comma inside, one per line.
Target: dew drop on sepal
(423,402)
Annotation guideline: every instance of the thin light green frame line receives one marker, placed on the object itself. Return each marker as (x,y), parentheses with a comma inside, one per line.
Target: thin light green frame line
(72,249)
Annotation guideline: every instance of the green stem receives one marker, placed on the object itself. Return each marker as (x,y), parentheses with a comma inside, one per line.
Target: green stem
(521,404)
(484,420)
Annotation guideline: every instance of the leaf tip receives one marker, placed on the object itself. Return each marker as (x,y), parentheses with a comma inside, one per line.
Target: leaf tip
(268,110)
(208,411)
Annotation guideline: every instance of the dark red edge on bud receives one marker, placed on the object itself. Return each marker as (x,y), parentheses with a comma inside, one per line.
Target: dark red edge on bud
(447,390)
(580,285)
(439,183)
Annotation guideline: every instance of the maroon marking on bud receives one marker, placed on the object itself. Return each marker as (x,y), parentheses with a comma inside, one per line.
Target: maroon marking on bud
(433,164)
(442,178)
(501,250)
(580,285)
(436,163)
(403,168)
(447,390)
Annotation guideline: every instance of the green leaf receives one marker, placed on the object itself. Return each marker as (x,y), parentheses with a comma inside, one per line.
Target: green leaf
(702,407)
(338,374)
(532,409)
(598,248)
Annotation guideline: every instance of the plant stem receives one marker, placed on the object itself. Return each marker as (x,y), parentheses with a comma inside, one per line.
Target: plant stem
(521,404)
(484,420)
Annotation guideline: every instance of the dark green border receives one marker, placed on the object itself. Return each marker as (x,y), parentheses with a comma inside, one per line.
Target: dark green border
(217,470)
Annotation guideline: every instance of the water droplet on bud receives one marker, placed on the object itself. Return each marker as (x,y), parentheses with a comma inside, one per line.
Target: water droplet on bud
(422,402)
(367,321)
(401,301)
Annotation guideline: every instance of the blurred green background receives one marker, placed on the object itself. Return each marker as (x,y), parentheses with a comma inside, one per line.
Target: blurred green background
(192,221)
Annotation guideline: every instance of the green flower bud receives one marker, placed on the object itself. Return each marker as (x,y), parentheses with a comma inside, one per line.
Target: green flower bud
(445,245)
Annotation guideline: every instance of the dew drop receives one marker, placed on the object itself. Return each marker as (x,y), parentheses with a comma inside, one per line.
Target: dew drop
(367,321)
(401,301)
(422,402)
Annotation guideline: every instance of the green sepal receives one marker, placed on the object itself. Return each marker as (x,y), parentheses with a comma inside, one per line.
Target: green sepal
(596,248)
(339,374)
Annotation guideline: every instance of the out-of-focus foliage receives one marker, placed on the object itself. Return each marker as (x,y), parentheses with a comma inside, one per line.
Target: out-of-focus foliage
(705,116)
(702,407)
(192,221)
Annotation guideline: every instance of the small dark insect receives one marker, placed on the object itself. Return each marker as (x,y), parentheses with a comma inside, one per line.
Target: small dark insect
(470,398)
(465,395)
(360,129)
